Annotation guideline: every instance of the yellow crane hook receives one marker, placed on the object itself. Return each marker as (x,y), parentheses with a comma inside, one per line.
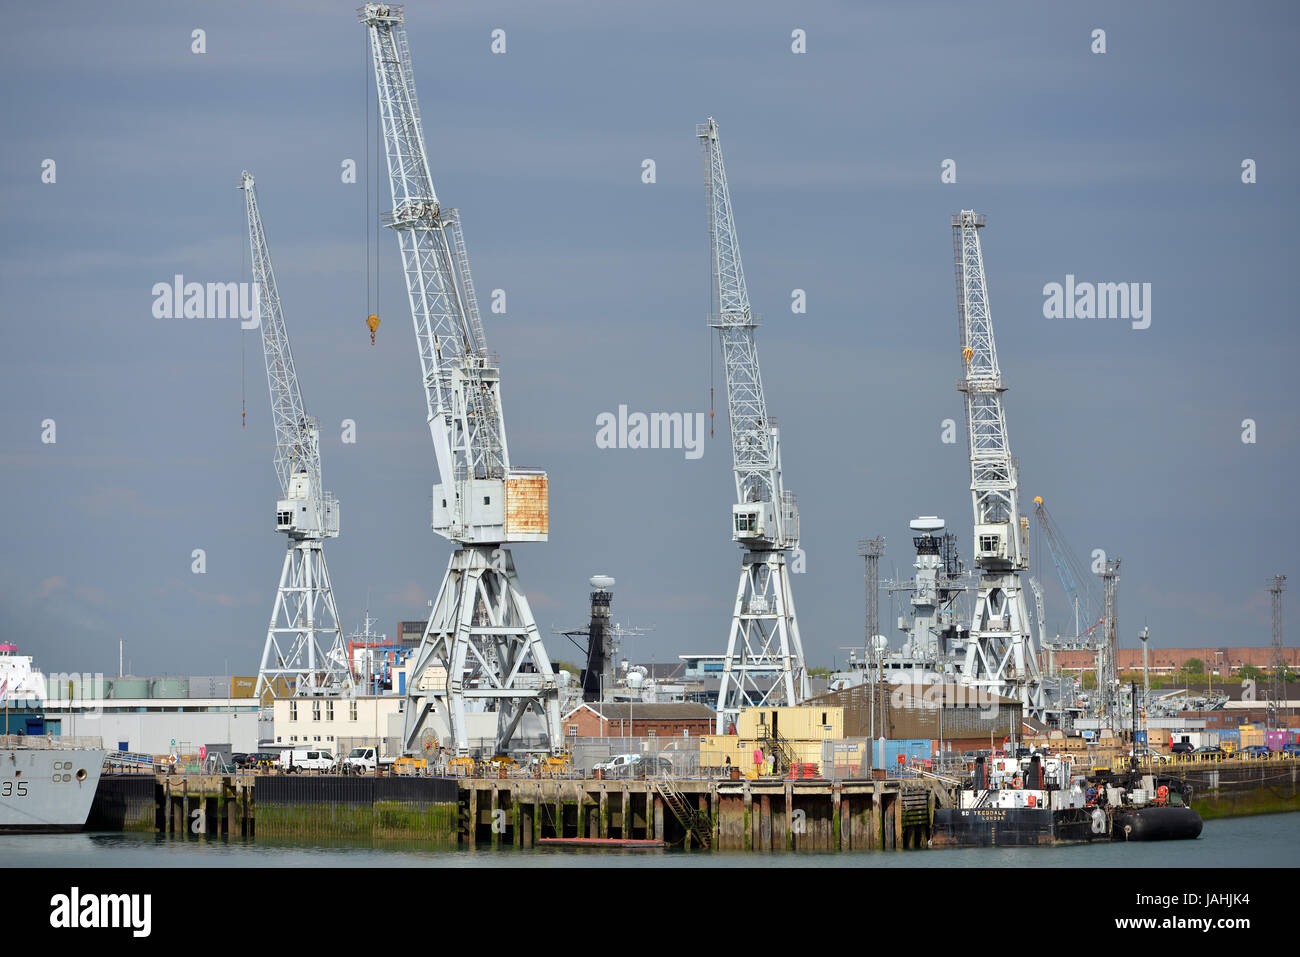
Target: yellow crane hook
(372,323)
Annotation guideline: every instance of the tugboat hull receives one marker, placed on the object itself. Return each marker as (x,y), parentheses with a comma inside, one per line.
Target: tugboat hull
(1016,827)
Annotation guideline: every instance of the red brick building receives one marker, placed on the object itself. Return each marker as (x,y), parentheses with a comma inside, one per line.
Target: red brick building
(1165,661)
(622,719)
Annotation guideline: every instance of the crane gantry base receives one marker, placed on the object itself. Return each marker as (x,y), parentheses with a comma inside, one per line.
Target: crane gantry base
(999,656)
(483,635)
(764,660)
(303,615)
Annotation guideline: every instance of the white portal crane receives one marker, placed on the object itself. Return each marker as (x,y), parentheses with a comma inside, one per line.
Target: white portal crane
(304,619)
(481,631)
(764,663)
(999,654)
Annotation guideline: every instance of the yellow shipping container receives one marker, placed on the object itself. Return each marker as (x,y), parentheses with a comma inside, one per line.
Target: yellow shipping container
(241,687)
(799,723)
(715,749)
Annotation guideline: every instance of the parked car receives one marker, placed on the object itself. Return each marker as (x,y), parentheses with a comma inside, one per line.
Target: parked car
(659,764)
(635,765)
(616,765)
(1255,751)
(1217,754)
(1291,751)
(253,761)
(1181,747)
(1147,756)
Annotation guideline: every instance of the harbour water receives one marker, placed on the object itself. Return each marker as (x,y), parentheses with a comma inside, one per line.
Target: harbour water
(1264,840)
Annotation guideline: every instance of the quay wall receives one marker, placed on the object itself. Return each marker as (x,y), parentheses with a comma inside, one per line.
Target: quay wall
(400,808)
(1239,789)
(765,814)
(125,802)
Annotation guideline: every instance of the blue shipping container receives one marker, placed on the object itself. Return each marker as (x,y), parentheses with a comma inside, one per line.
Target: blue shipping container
(909,748)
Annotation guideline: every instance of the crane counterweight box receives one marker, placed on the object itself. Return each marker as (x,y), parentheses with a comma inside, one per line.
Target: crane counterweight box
(513,509)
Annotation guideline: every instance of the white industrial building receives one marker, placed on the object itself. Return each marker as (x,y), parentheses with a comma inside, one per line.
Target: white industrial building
(159,726)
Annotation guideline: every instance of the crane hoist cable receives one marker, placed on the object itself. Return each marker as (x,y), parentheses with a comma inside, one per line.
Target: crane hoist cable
(372,260)
(243,346)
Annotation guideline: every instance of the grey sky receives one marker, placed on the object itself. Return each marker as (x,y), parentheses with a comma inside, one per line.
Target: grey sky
(1117,167)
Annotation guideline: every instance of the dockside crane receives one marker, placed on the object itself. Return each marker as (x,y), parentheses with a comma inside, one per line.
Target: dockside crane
(999,654)
(304,619)
(1074,579)
(481,631)
(764,663)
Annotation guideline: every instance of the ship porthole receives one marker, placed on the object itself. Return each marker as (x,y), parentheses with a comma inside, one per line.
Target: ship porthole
(81,774)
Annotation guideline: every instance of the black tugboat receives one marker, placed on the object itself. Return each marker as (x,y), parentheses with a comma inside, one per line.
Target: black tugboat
(1009,802)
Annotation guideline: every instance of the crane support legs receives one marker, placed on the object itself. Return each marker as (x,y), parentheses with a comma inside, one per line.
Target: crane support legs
(304,615)
(764,664)
(999,653)
(482,634)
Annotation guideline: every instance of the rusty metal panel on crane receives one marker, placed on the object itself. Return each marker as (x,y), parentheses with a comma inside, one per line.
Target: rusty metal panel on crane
(527,506)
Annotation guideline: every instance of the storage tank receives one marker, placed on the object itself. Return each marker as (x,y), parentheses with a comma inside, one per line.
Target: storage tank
(130,688)
(169,688)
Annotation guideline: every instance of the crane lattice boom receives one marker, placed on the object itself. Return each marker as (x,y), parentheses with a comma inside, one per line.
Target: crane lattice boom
(460,378)
(1078,584)
(297,435)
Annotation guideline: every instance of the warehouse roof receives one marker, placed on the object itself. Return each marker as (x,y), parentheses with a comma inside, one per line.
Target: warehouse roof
(648,711)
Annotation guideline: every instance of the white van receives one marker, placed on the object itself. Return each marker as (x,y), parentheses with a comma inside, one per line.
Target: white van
(362,760)
(306,759)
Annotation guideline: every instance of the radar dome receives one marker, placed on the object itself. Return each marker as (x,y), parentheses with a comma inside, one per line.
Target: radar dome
(601,582)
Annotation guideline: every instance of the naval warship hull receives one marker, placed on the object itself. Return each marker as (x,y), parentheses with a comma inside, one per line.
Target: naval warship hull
(47,790)
(1015,827)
